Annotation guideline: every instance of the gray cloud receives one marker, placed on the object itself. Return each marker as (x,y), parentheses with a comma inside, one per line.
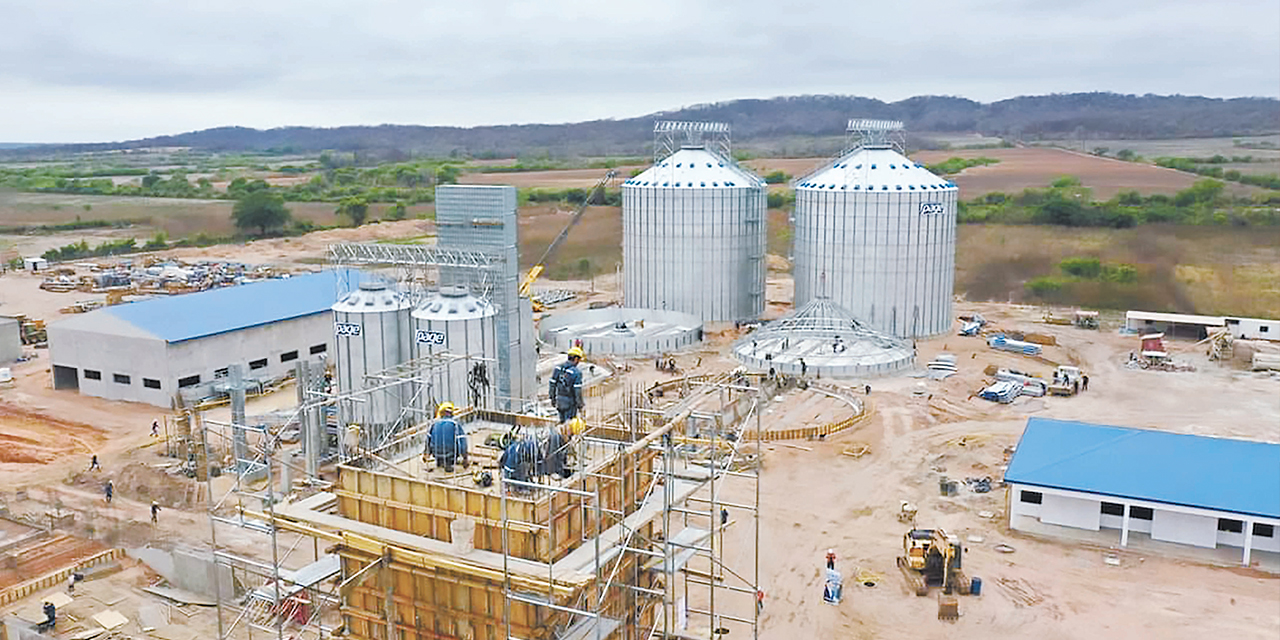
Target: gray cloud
(78,70)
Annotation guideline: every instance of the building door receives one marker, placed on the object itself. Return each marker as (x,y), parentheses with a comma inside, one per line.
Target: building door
(66,378)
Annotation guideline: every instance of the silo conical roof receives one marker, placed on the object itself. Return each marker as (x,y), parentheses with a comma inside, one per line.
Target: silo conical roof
(695,167)
(874,169)
(829,340)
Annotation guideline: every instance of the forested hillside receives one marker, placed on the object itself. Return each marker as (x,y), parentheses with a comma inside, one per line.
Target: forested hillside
(758,122)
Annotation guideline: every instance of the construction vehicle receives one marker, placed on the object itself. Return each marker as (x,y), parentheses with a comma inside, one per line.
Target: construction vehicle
(1067,381)
(1087,320)
(526,285)
(931,558)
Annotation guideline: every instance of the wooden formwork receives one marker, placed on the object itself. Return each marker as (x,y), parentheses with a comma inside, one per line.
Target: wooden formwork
(441,603)
(542,527)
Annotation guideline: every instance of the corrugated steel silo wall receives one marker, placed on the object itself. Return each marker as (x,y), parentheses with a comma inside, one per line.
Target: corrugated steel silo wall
(695,250)
(382,343)
(471,337)
(883,256)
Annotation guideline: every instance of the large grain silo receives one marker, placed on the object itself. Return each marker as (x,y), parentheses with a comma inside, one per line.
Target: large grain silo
(876,233)
(693,234)
(372,327)
(455,323)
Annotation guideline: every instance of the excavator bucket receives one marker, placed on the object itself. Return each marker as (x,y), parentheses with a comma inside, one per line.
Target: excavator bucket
(948,608)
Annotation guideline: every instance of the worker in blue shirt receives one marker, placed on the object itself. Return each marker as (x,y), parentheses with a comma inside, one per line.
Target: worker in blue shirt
(565,390)
(447,440)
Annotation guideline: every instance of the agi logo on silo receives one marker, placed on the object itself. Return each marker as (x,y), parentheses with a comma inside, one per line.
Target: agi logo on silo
(930,208)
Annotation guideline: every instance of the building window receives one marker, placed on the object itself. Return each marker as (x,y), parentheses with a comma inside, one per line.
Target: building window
(189,381)
(1229,525)
(120,378)
(1141,513)
(319,348)
(1031,497)
(1264,329)
(90,374)
(288,356)
(222,373)
(1112,509)
(258,364)
(1264,530)
(151,383)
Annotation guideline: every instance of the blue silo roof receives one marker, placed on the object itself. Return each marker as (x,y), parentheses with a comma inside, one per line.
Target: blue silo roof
(1222,474)
(207,313)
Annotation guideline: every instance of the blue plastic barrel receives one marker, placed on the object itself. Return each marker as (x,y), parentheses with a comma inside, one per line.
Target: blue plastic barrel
(975,586)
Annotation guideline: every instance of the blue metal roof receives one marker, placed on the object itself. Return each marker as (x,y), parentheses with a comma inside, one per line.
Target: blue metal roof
(207,313)
(1194,471)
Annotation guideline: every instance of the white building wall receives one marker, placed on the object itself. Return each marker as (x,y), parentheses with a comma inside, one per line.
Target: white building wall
(272,342)
(1070,511)
(110,355)
(143,358)
(1254,328)
(1186,528)
(1169,523)
(1267,543)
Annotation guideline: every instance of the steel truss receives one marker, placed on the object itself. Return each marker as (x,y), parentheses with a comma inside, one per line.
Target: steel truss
(670,135)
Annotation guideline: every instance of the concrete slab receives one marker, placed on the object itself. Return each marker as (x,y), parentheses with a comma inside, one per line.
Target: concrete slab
(150,617)
(110,619)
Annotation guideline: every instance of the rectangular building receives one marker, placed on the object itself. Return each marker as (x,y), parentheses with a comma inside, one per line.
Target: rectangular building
(146,351)
(1194,490)
(1184,325)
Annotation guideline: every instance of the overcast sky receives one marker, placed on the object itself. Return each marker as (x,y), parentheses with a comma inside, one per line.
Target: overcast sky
(89,70)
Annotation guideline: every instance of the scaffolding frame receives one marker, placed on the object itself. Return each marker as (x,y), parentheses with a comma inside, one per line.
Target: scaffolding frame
(640,583)
(678,462)
(248,461)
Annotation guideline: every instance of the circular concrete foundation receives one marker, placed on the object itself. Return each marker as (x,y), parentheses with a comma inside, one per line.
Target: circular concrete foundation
(621,331)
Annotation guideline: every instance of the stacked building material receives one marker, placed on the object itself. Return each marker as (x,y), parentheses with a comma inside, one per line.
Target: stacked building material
(999,341)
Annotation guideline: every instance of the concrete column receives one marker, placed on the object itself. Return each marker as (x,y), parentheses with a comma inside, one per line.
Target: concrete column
(1248,541)
(1124,527)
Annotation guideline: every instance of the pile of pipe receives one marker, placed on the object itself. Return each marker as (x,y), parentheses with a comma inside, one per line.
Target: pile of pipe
(999,341)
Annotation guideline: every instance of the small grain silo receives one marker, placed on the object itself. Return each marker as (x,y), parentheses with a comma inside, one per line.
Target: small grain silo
(372,329)
(457,325)
(693,235)
(876,233)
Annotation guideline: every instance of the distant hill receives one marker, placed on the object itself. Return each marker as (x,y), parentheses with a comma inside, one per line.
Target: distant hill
(760,124)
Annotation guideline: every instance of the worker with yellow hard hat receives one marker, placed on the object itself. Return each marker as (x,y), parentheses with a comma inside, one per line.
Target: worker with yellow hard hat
(447,440)
(565,389)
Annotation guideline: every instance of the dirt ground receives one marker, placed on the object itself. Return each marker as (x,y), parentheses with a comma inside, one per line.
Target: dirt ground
(811,500)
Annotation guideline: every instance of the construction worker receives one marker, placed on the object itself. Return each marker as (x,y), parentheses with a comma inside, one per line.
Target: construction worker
(93,463)
(447,440)
(1084,383)
(155,512)
(565,389)
(51,617)
(155,428)
(108,490)
(831,558)
(517,460)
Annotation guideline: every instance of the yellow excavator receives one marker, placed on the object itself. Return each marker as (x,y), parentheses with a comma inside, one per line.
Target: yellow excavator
(931,558)
(526,285)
